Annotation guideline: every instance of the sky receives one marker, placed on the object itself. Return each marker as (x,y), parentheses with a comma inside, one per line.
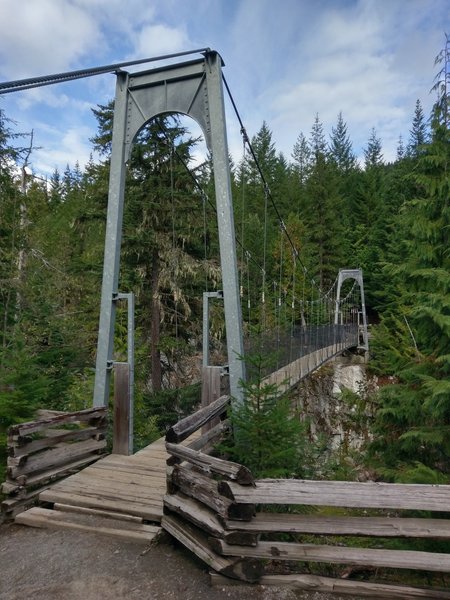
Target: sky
(285,62)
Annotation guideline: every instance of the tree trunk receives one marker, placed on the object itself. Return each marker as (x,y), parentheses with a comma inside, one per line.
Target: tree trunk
(155,322)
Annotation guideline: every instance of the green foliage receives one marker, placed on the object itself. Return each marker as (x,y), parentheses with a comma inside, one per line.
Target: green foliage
(412,429)
(268,438)
(165,407)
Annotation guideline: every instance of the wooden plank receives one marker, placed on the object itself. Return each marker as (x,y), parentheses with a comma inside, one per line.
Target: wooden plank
(109,491)
(146,476)
(12,506)
(210,464)
(184,428)
(205,519)
(94,511)
(21,448)
(112,462)
(195,512)
(211,380)
(41,517)
(51,475)
(211,437)
(121,418)
(142,479)
(92,483)
(341,493)
(394,559)
(327,585)
(193,539)
(30,427)
(356,526)
(147,510)
(52,457)
(205,490)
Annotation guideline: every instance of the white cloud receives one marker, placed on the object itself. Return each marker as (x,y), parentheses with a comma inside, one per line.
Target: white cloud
(358,57)
(50,97)
(72,147)
(44,36)
(285,60)
(158,39)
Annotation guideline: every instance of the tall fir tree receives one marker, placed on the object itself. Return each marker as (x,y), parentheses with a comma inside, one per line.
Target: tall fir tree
(418,133)
(373,155)
(341,147)
(412,440)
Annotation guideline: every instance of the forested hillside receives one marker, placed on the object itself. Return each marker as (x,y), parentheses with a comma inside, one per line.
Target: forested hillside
(390,219)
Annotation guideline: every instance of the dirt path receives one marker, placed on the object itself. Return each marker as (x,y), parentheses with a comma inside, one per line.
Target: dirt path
(62,565)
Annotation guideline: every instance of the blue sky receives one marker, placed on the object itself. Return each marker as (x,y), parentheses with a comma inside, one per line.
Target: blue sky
(286,60)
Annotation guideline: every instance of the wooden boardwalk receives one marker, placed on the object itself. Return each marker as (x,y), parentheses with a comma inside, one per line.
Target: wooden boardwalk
(118,495)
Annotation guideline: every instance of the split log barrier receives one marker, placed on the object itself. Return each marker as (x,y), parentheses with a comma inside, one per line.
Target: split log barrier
(42,452)
(216,509)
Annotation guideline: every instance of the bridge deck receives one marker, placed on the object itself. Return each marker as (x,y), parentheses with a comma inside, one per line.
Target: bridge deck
(132,485)
(118,495)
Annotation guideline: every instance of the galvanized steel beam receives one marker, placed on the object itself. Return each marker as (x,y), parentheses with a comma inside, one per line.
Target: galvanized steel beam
(195,89)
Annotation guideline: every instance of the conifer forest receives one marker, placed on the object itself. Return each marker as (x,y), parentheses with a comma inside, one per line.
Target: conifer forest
(391,219)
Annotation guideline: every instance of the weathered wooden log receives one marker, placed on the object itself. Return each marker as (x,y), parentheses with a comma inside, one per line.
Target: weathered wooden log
(184,428)
(122,408)
(341,493)
(12,489)
(205,441)
(395,559)
(360,589)
(52,457)
(211,464)
(205,519)
(211,391)
(211,437)
(192,538)
(204,490)
(355,526)
(90,415)
(195,512)
(53,437)
(10,505)
(51,475)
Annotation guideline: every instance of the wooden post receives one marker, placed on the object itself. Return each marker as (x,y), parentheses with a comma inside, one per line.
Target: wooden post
(121,417)
(210,391)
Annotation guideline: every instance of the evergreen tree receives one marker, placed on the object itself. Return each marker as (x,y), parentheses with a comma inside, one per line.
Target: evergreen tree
(373,156)
(301,155)
(418,132)
(400,149)
(324,220)
(413,423)
(269,439)
(317,140)
(341,147)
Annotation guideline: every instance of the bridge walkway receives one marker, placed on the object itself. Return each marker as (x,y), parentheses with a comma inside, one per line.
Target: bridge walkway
(120,496)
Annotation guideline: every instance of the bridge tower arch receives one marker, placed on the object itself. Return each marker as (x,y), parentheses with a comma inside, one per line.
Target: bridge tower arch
(195,89)
(357,275)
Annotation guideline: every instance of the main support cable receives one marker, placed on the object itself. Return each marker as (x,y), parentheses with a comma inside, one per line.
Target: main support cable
(25,84)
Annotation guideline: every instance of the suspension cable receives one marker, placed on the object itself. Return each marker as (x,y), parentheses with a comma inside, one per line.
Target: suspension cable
(205,195)
(261,174)
(24,84)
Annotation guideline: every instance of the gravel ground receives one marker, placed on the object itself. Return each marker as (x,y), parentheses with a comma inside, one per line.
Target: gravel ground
(43,564)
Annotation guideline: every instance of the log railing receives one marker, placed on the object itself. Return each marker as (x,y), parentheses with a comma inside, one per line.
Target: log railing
(216,509)
(43,451)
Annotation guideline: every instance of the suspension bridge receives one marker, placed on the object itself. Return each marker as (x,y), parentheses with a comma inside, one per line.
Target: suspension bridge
(308,325)
(300,327)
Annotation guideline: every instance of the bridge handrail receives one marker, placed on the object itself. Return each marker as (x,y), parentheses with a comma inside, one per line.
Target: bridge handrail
(192,423)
